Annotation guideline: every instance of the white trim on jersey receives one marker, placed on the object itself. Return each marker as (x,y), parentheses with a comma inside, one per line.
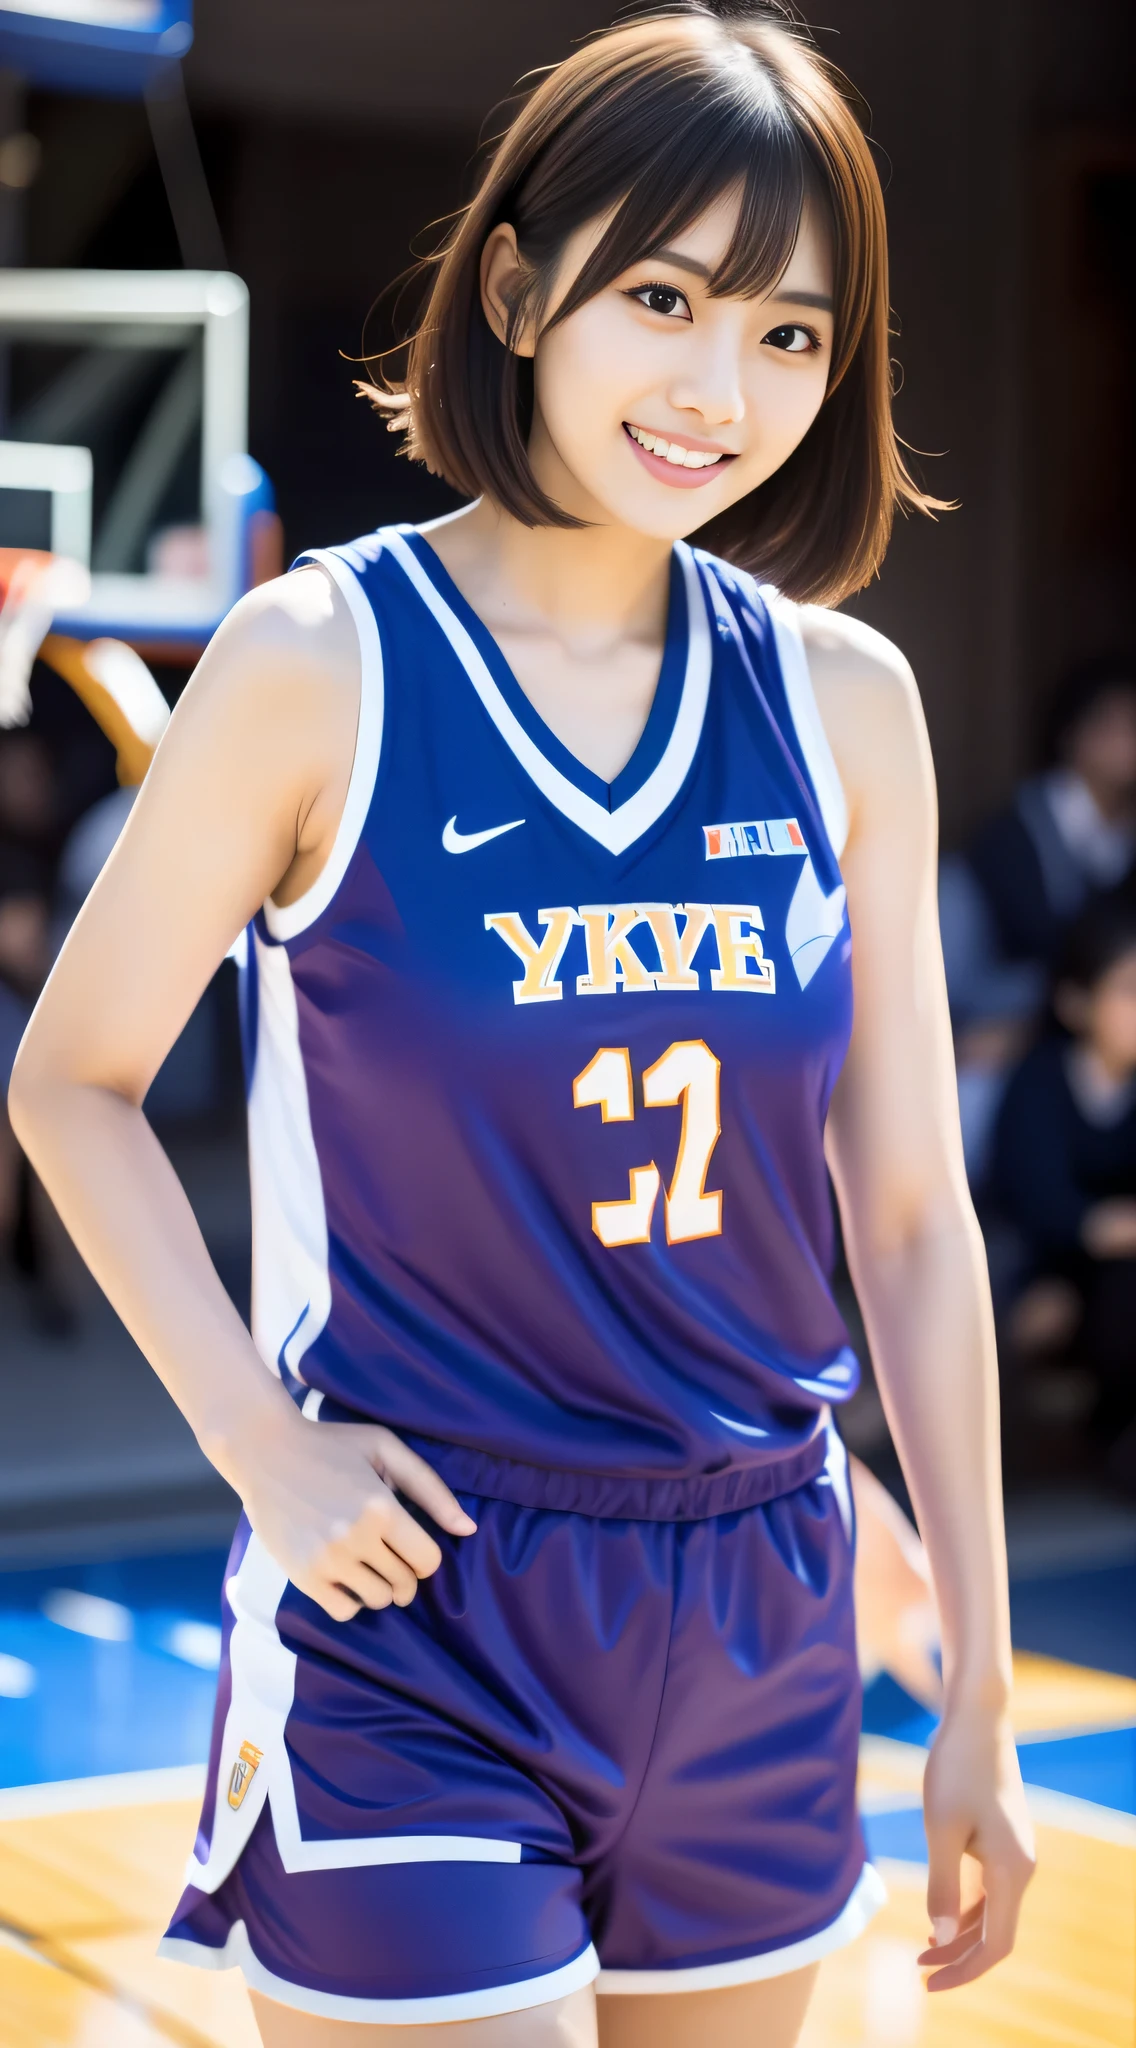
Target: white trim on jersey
(797,678)
(615,830)
(837,1475)
(263,1685)
(867,1898)
(291,1287)
(813,921)
(488,2003)
(285,921)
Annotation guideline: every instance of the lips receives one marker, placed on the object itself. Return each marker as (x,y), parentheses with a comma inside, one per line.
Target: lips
(676,473)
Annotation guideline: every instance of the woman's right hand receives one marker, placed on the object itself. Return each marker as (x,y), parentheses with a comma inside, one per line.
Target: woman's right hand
(321,1498)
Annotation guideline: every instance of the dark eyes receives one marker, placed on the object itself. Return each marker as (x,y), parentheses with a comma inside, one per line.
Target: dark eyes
(795,340)
(792,338)
(662,298)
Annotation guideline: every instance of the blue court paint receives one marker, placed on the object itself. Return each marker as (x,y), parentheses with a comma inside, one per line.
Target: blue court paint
(99,1706)
(1100,1766)
(888,1710)
(898,1836)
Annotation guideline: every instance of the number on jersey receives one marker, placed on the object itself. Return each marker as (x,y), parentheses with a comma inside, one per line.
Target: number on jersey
(687,1072)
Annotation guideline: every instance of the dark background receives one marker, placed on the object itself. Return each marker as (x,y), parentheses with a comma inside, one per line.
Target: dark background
(333,133)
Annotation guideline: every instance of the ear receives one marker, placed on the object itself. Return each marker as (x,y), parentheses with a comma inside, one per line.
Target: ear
(1071,1006)
(502,276)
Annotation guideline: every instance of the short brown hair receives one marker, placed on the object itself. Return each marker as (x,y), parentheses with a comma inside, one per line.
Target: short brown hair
(656,119)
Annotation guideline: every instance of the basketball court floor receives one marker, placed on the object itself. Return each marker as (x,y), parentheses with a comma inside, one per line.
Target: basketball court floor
(106,1678)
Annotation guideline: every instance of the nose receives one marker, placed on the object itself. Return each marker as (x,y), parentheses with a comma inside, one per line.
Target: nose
(709,381)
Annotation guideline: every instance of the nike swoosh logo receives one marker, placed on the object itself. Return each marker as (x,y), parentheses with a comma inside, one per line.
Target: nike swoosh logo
(464,842)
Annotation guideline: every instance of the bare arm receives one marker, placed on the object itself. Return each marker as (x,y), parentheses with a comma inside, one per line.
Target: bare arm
(242,800)
(917,1260)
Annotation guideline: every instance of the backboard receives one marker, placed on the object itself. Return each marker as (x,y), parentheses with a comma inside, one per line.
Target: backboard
(123,419)
(108,46)
(45,498)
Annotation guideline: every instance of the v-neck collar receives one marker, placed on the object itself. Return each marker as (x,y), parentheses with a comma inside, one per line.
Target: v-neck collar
(614,814)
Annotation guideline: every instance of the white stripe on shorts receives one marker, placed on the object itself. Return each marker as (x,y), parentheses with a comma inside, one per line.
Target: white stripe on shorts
(866,1900)
(488,2003)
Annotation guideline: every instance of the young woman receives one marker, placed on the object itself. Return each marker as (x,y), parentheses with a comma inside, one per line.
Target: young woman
(540,1674)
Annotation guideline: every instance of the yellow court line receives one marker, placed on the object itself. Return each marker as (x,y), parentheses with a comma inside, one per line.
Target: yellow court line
(1055,1698)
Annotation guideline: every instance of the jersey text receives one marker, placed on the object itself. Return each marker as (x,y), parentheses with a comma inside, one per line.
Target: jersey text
(662,957)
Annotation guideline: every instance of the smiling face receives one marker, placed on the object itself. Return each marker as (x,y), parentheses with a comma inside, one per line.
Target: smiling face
(658,405)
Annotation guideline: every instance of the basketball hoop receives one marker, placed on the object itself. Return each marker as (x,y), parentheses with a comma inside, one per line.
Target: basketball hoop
(34,586)
(108,676)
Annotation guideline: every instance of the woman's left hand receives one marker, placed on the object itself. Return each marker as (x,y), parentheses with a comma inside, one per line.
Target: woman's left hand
(974,1806)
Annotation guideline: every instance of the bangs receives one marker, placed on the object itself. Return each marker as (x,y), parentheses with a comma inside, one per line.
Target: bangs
(707,140)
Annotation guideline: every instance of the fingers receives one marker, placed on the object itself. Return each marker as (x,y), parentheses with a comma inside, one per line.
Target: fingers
(946,1846)
(367,1587)
(368,1564)
(386,1531)
(369,1557)
(348,1585)
(1005,1884)
(378,1557)
(969,1932)
(378,1561)
(403,1468)
(1005,1888)
(338,1601)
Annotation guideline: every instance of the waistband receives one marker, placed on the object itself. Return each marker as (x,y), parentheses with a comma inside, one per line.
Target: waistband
(609,1496)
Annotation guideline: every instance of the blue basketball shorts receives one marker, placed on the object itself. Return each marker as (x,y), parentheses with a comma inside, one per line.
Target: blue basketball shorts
(610,1750)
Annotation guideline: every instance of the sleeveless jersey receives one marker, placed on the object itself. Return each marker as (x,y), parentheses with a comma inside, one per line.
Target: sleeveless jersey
(539,1067)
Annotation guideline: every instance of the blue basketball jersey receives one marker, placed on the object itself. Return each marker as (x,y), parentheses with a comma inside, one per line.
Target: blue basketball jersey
(539,1067)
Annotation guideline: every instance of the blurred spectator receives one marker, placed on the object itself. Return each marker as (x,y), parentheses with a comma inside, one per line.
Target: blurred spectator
(1068,837)
(1070,833)
(1064,1163)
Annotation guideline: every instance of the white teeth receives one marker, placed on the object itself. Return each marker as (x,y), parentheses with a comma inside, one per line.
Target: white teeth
(680,458)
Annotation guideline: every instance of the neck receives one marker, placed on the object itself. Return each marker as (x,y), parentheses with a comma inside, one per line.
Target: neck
(590,586)
(581,582)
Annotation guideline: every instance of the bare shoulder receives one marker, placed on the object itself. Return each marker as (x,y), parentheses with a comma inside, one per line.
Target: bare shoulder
(845,653)
(279,683)
(295,625)
(869,703)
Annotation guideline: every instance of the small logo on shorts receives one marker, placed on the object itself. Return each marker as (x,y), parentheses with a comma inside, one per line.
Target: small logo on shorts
(243,1771)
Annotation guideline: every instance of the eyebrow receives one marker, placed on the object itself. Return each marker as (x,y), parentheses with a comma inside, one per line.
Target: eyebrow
(690,263)
(820,301)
